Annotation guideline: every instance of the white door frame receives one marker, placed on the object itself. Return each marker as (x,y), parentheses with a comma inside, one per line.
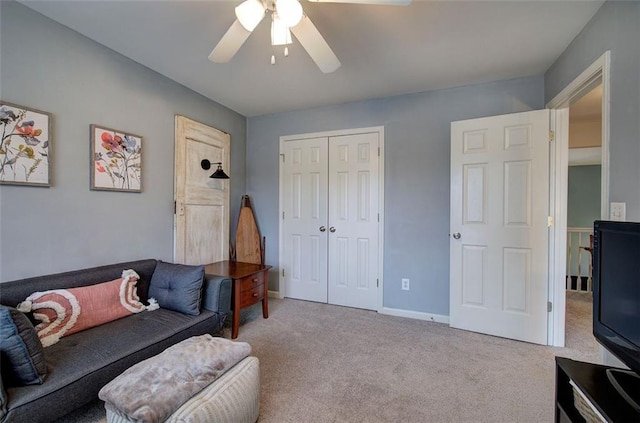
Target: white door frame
(380,131)
(598,70)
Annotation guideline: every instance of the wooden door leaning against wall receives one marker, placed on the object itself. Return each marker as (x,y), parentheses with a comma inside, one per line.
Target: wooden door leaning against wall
(201,203)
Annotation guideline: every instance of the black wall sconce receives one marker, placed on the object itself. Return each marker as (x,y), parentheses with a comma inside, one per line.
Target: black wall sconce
(218,174)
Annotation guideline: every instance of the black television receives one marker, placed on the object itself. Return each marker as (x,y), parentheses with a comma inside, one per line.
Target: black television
(616,300)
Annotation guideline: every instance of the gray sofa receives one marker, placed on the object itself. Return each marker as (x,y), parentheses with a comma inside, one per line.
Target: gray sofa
(82,363)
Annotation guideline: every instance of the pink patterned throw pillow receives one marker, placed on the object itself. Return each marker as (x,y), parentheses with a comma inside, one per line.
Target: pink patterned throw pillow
(65,311)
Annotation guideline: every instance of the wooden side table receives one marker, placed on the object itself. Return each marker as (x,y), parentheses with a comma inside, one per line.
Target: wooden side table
(250,285)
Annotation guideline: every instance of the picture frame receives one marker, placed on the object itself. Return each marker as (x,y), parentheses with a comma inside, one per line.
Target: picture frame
(115,160)
(25,146)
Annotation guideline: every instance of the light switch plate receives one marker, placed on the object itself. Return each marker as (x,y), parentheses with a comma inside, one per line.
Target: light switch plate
(618,211)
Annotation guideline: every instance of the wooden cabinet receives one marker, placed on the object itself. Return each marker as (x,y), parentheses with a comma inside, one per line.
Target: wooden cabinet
(597,390)
(250,286)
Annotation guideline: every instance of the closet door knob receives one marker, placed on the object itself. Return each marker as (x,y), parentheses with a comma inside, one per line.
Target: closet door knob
(322,229)
(332,229)
(456,235)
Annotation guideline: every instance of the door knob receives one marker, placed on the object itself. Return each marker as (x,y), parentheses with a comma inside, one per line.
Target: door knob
(322,229)
(332,229)
(456,235)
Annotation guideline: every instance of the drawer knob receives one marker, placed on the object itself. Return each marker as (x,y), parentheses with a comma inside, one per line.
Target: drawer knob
(255,279)
(255,294)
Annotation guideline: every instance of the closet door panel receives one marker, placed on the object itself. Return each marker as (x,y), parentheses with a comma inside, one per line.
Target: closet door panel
(305,215)
(353,220)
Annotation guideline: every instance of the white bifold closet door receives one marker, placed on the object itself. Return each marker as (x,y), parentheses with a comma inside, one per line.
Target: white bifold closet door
(330,222)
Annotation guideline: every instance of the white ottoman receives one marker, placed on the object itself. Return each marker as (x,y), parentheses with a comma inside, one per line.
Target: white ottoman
(162,388)
(233,398)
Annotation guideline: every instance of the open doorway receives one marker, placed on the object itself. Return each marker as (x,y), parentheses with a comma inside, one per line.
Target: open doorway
(596,75)
(584,176)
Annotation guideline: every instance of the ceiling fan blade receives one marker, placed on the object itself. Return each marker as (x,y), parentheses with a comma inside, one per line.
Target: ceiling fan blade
(230,43)
(380,2)
(312,41)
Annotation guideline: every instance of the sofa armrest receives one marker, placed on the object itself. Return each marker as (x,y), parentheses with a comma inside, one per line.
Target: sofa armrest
(217,294)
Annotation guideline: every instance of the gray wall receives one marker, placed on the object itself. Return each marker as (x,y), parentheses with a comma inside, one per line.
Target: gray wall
(583,204)
(49,67)
(615,27)
(417,132)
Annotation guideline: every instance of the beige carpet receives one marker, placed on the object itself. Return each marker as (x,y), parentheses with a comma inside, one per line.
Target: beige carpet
(322,363)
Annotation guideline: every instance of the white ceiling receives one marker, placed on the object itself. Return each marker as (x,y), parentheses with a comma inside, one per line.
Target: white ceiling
(384,50)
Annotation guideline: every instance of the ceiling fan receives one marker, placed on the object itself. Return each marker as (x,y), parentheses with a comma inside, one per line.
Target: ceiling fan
(287,16)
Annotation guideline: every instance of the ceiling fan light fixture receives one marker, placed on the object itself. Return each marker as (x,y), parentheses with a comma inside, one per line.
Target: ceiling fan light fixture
(250,13)
(289,11)
(280,34)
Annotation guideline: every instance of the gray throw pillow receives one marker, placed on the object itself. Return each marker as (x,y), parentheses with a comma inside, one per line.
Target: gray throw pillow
(177,287)
(21,353)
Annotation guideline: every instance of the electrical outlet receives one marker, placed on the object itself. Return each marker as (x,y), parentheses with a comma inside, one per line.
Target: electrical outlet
(405,284)
(618,211)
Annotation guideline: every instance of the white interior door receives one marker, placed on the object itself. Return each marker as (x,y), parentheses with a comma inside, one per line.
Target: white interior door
(353,220)
(499,225)
(202,203)
(305,196)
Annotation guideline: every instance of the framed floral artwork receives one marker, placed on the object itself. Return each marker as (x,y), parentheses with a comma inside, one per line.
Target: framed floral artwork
(116,160)
(25,148)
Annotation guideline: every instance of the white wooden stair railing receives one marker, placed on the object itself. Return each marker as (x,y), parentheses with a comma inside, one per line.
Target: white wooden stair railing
(579,267)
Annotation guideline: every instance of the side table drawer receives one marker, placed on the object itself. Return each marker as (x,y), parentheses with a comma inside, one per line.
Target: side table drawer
(252,281)
(251,296)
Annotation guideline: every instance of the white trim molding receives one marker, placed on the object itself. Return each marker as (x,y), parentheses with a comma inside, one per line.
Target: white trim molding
(597,73)
(585,156)
(418,315)
(275,294)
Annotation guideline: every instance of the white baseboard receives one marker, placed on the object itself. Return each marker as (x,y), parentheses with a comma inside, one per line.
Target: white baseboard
(274,294)
(418,315)
(438,318)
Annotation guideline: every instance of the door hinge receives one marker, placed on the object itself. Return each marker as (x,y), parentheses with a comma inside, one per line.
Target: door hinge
(378,217)
(378,151)
(377,283)
(552,136)
(282,155)
(549,221)
(282,215)
(549,306)
(175,207)
(283,273)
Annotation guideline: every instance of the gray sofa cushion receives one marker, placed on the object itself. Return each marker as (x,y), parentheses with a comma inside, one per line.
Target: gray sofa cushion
(21,353)
(177,287)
